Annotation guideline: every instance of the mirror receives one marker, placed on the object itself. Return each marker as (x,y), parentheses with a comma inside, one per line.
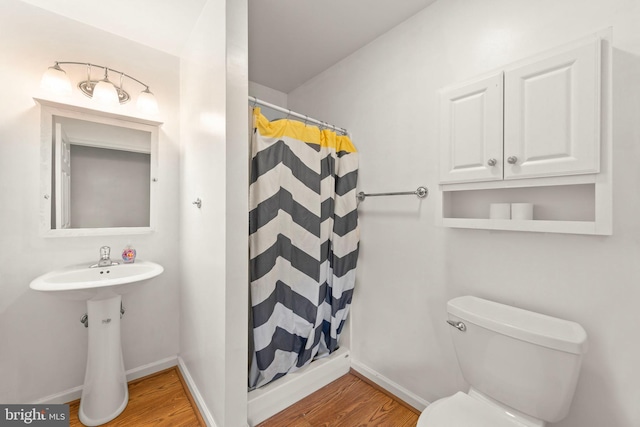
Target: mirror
(98,174)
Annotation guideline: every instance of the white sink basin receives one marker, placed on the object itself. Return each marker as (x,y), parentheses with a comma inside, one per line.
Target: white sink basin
(82,278)
(105,393)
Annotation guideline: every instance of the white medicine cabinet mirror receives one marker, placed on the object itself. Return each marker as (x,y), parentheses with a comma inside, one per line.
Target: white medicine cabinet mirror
(98,172)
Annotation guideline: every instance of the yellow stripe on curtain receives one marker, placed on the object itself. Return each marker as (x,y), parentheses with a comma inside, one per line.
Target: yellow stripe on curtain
(302,132)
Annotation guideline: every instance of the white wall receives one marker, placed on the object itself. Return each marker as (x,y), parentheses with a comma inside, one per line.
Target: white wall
(237,213)
(214,167)
(43,344)
(202,257)
(268,94)
(386,95)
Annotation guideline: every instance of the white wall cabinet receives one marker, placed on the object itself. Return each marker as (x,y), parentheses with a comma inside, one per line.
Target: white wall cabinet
(551,111)
(537,131)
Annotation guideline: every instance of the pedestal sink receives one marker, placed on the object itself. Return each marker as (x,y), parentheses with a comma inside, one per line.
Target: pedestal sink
(105,393)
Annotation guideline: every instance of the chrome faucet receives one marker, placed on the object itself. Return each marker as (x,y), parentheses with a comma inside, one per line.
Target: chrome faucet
(105,259)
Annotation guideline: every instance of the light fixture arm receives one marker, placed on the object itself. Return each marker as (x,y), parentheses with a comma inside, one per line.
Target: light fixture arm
(103,91)
(104,68)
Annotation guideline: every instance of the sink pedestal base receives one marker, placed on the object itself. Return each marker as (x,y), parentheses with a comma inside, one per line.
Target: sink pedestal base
(105,393)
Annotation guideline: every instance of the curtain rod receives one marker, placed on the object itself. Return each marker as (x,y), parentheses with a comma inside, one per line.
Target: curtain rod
(306,119)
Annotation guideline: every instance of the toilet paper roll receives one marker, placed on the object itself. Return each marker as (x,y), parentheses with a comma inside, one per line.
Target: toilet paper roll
(500,211)
(521,211)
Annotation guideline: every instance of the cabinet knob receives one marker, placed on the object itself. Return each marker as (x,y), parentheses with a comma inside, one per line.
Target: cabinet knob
(512,160)
(492,162)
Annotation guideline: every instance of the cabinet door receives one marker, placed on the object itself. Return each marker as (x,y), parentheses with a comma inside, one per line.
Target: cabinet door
(471,131)
(552,114)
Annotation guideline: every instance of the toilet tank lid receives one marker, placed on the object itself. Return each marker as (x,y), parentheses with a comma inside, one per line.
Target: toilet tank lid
(521,324)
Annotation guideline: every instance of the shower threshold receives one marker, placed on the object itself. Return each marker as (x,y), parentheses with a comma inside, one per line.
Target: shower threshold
(272,398)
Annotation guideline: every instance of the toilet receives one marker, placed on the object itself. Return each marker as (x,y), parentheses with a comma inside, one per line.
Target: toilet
(522,367)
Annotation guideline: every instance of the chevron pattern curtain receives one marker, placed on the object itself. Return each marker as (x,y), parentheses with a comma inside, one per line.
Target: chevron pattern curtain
(304,240)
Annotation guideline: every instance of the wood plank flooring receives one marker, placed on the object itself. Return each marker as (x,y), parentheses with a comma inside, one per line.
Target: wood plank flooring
(161,399)
(347,402)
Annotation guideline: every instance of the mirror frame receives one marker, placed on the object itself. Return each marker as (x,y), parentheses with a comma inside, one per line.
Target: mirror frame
(49,109)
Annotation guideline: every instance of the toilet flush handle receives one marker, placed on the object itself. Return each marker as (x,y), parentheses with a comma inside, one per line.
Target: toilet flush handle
(458,325)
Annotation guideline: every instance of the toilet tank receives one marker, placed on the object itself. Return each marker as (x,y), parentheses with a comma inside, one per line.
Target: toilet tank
(525,360)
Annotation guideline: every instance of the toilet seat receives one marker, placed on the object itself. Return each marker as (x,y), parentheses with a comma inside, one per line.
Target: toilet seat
(462,410)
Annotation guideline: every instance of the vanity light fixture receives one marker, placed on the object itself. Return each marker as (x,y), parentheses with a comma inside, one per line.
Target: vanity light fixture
(104,91)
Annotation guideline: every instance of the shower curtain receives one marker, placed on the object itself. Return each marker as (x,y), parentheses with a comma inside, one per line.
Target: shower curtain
(303,246)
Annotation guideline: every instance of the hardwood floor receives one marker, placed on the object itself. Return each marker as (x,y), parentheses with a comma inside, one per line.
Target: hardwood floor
(161,399)
(348,402)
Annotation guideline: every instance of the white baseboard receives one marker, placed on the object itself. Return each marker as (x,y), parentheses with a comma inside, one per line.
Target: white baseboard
(132,374)
(151,368)
(202,407)
(65,396)
(392,387)
(284,392)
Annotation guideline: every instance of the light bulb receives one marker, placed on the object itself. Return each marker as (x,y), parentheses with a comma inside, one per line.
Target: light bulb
(55,80)
(146,102)
(105,92)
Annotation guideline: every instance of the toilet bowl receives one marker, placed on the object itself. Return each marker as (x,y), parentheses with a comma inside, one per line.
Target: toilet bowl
(522,367)
(462,410)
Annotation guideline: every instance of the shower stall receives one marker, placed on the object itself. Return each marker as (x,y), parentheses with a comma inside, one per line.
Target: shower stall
(304,242)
